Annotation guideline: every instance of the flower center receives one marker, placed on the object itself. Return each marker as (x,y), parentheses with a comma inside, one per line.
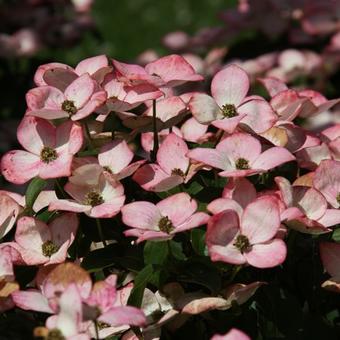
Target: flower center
(48,154)
(165,225)
(55,334)
(242,243)
(102,325)
(69,107)
(338,197)
(49,248)
(177,172)
(242,164)
(108,169)
(93,198)
(229,111)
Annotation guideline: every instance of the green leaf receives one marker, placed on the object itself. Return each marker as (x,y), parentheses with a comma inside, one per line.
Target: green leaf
(194,188)
(336,235)
(177,250)
(141,280)
(198,241)
(34,188)
(155,252)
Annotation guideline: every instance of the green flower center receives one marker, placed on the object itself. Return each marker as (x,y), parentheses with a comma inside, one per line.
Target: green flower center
(242,243)
(229,111)
(177,172)
(69,107)
(48,154)
(55,334)
(93,198)
(242,164)
(49,248)
(165,225)
(338,197)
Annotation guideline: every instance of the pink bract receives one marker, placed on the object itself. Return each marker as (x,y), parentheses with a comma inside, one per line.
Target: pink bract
(240,155)
(159,222)
(49,152)
(249,239)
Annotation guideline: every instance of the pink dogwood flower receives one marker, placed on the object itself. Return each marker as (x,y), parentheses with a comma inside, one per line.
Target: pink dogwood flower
(40,243)
(163,220)
(240,155)
(49,154)
(98,196)
(9,212)
(327,180)
(330,257)
(306,206)
(80,98)
(229,105)
(233,334)
(249,238)
(115,158)
(171,168)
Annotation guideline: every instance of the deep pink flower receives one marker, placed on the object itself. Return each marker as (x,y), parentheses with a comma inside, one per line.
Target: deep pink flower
(162,221)
(49,152)
(330,257)
(233,334)
(40,243)
(249,239)
(80,98)
(229,105)
(240,155)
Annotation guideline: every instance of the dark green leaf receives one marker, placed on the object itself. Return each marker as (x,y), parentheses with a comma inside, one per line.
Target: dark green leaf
(155,252)
(34,188)
(141,280)
(194,188)
(336,235)
(198,241)
(177,250)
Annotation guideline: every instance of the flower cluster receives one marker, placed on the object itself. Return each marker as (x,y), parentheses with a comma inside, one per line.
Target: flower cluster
(171,180)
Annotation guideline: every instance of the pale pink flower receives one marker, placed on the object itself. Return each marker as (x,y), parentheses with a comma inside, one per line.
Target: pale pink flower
(99,196)
(240,155)
(249,239)
(103,299)
(229,105)
(9,212)
(326,179)
(116,157)
(233,334)
(80,98)
(307,207)
(331,136)
(40,243)
(171,168)
(330,257)
(61,75)
(49,152)
(163,220)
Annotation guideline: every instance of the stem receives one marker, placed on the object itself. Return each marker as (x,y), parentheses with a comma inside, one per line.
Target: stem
(96,328)
(100,232)
(236,269)
(60,187)
(88,135)
(155,133)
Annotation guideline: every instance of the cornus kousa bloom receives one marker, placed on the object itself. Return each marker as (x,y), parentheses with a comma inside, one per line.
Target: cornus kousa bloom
(327,180)
(115,158)
(307,206)
(99,197)
(49,154)
(81,98)
(171,168)
(9,212)
(163,220)
(61,75)
(233,334)
(249,238)
(40,243)
(240,155)
(229,105)
(330,257)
